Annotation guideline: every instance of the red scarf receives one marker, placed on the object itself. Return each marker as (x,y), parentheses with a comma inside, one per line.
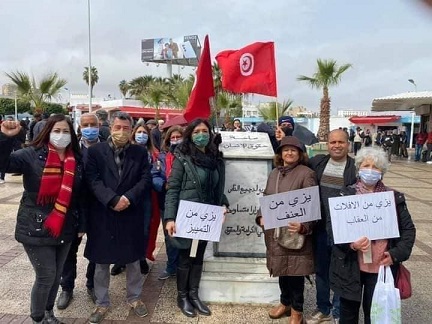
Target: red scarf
(56,187)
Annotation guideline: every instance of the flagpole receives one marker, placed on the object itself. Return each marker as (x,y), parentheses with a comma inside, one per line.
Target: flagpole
(277,111)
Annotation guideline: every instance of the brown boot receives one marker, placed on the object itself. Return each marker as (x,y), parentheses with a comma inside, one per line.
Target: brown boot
(296,317)
(280,311)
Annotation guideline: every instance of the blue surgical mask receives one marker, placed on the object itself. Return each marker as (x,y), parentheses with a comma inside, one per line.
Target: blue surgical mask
(370,176)
(90,133)
(141,138)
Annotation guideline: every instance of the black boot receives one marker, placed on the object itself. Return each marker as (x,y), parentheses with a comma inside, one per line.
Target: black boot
(182,288)
(194,280)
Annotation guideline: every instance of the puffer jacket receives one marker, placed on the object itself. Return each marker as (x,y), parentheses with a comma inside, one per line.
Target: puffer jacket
(30,162)
(282,261)
(344,267)
(184,184)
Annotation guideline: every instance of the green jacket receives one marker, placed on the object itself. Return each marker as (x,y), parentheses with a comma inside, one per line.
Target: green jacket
(184,184)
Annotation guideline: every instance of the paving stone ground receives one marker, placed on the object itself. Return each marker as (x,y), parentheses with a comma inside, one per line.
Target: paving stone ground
(16,275)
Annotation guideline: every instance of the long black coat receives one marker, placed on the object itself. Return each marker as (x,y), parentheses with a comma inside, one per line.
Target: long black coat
(118,237)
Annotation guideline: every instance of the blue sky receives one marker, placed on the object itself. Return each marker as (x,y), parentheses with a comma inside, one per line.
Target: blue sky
(387,41)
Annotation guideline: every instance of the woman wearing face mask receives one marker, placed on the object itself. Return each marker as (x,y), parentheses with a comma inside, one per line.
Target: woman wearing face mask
(140,136)
(50,211)
(350,277)
(173,137)
(198,175)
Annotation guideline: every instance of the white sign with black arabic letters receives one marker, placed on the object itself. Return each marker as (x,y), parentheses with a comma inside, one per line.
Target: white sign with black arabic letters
(371,215)
(199,221)
(301,206)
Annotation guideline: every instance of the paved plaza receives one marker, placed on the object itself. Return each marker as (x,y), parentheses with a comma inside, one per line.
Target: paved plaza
(16,275)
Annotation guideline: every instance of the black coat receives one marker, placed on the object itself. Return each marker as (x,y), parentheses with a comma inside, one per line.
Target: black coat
(6,147)
(30,162)
(118,237)
(344,266)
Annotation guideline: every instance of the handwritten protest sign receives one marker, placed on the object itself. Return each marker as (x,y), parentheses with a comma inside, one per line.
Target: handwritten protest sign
(301,205)
(199,221)
(371,215)
(245,144)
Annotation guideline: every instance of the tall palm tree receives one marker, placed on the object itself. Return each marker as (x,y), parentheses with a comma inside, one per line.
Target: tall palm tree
(328,74)
(179,93)
(37,93)
(154,96)
(269,113)
(139,85)
(94,77)
(124,88)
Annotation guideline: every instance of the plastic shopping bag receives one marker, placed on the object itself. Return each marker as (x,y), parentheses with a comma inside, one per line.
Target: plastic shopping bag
(386,303)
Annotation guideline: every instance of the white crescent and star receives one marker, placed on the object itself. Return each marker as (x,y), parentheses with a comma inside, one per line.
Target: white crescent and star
(247,64)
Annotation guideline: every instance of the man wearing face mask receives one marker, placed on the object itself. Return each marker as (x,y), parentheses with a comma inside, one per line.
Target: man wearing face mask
(89,126)
(118,174)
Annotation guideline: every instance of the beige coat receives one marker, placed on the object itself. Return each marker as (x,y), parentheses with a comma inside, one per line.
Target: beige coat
(282,261)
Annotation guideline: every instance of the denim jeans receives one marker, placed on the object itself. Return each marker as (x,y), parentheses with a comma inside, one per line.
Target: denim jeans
(47,262)
(322,255)
(418,152)
(69,269)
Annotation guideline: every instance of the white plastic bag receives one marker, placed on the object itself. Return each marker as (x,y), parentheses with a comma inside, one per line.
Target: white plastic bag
(386,303)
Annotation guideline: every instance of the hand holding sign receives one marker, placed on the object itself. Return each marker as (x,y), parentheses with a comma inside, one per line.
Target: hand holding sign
(170,228)
(362,244)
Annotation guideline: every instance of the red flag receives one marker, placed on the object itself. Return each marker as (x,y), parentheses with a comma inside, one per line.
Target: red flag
(250,69)
(198,105)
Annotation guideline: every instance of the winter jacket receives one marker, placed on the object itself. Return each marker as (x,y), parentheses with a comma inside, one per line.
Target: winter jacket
(344,266)
(184,184)
(282,261)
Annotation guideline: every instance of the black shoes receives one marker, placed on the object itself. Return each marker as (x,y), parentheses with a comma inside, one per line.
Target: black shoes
(64,299)
(117,269)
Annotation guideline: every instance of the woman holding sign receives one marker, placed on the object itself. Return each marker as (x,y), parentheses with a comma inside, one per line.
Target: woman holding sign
(197,175)
(290,263)
(352,276)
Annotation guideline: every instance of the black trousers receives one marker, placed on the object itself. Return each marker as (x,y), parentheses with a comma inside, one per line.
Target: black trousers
(349,309)
(70,269)
(185,261)
(292,289)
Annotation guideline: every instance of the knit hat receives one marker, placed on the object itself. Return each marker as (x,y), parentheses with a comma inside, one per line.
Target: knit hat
(286,119)
(291,141)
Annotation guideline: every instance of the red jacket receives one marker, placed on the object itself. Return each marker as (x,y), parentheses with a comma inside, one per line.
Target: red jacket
(421,138)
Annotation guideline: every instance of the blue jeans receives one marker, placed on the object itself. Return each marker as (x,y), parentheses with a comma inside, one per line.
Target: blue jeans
(418,152)
(171,251)
(322,255)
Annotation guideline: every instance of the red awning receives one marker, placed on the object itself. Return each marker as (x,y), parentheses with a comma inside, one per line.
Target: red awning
(138,112)
(374,119)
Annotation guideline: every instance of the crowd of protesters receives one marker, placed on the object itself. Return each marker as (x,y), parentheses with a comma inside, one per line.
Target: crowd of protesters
(117,180)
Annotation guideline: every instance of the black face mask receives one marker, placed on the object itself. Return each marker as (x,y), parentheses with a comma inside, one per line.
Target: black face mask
(288,130)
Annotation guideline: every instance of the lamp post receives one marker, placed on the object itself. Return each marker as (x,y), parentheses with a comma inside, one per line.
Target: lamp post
(89,53)
(412,129)
(415,85)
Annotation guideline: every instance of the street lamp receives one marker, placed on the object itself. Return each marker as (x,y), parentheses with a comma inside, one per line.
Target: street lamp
(412,81)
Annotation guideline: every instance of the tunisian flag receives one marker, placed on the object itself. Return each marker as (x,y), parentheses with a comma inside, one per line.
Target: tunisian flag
(250,69)
(198,105)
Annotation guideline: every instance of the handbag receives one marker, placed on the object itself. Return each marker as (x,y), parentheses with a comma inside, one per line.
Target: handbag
(403,282)
(386,302)
(286,239)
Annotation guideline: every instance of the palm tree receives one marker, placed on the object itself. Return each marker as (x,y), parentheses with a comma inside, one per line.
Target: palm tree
(94,77)
(269,113)
(179,93)
(139,85)
(328,74)
(124,88)
(154,96)
(37,93)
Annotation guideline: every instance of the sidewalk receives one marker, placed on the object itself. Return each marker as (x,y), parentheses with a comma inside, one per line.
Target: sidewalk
(16,275)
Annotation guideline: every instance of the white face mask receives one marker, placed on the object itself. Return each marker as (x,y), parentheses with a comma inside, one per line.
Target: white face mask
(60,140)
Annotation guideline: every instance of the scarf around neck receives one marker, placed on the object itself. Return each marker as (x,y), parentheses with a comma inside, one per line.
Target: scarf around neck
(284,170)
(361,188)
(56,187)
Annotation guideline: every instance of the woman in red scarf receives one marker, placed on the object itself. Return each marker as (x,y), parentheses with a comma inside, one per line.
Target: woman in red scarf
(50,212)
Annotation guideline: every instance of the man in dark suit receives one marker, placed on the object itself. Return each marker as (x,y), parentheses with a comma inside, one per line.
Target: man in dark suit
(118,174)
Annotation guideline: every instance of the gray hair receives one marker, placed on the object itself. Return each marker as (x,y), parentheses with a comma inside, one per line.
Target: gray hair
(377,155)
(122,116)
(87,115)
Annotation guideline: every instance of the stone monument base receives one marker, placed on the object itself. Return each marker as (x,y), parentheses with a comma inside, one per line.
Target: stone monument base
(237,280)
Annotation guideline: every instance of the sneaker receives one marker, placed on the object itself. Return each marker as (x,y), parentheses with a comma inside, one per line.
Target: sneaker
(50,318)
(139,308)
(98,314)
(318,318)
(2,181)
(165,275)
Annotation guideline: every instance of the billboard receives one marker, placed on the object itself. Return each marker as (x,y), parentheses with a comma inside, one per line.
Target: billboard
(184,50)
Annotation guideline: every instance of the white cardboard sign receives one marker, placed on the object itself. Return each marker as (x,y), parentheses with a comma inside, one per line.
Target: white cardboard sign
(199,221)
(301,205)
(371,215)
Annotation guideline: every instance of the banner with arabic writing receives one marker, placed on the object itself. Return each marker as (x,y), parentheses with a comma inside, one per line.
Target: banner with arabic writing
(301,206)
(199,221)
(371,215)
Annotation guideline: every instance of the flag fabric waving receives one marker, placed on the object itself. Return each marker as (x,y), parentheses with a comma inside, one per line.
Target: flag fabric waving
(198,105)
(251,69)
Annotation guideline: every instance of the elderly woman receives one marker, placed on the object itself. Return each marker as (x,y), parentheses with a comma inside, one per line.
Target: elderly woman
(290,265)
(350,277)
